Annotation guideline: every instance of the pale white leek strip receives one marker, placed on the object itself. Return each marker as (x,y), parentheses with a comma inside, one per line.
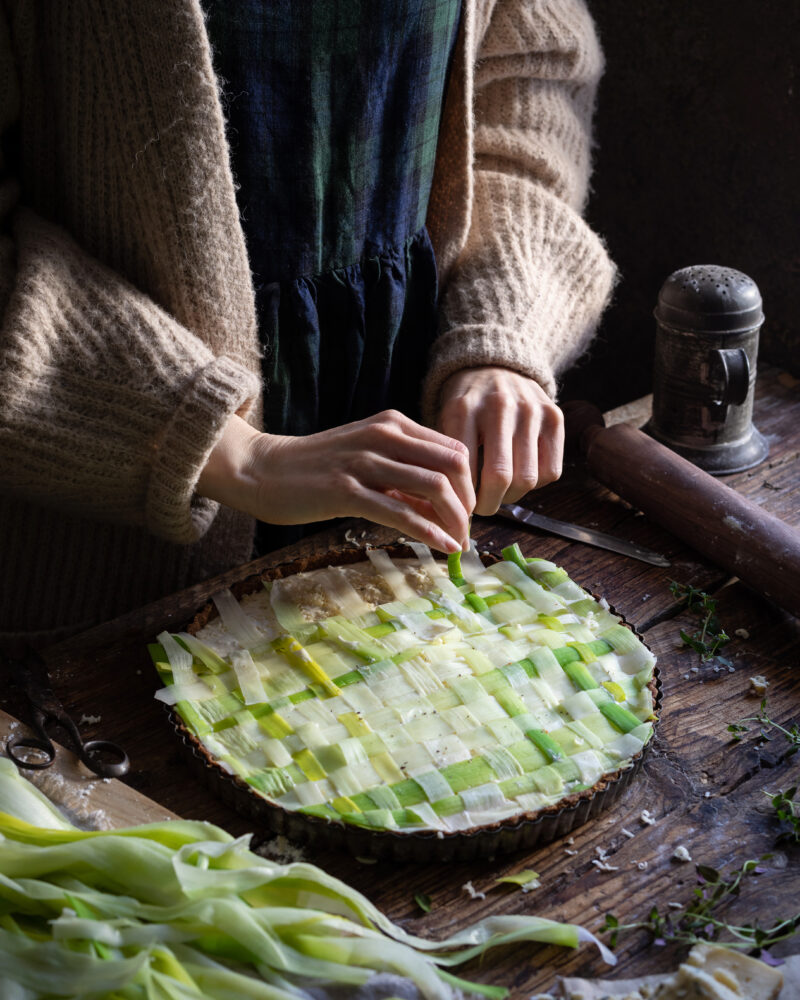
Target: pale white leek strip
(437,571)
(20,798)
(434,784)
(423,627)
(180,659)
(249,678)
(543,600)
(237,621)
(287,613)
(502,762)
(484,798)
(393,576)
(193,691)
(588,763)
(428,815)
(343,593)
(427,562)
(471,566)
(204,653)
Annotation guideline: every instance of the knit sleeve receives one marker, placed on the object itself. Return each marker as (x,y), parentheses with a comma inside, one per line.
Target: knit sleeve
(108,406)
(529,285)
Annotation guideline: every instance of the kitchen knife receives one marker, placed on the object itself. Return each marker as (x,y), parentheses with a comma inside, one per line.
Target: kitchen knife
(588,536)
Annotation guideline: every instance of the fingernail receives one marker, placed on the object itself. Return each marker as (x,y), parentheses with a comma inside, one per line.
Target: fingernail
(447,543)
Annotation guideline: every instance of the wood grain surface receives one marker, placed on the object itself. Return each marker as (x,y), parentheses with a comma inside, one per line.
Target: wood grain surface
(706,792)
(92,803)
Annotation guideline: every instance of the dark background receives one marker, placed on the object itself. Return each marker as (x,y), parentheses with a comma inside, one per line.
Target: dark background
(698,149)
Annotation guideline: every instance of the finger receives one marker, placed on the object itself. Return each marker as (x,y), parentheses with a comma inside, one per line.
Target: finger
(438,454)
(422,507)
(385,509)
(525,443)
(498,458)
(410,428)
(458,421)
(551,446)
(381,473)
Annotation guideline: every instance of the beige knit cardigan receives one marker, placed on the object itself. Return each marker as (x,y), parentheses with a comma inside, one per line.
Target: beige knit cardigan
(128,331)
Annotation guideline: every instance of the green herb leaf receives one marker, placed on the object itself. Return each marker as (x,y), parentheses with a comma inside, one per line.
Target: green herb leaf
(423,901)
(699,920)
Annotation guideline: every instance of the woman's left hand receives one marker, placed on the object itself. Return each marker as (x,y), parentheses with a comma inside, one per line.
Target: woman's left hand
(518,427)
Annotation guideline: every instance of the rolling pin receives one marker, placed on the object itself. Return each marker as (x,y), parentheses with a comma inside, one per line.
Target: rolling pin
(761,550)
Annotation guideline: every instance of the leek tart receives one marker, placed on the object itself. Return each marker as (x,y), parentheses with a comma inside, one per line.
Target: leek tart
(408,696)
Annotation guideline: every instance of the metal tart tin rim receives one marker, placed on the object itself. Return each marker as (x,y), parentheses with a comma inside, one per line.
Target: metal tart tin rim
(523,831)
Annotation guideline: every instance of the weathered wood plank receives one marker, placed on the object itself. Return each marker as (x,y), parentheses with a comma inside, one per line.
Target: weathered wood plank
(706,791)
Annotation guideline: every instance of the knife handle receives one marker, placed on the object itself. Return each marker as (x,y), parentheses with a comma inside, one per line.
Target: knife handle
(760,549)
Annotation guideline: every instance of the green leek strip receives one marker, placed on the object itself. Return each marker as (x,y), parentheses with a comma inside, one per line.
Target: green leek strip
(448,807)
(344,805)
(568,654)
(585,651)
(289,647)
(500,598)
(510,701)
(513,592)
(205,654)
(513,553)
(580,676)
(477,603)
(454,569)
(551,622)
(621,639)
(468,773)
(275,781)
(583,607)
(385,628)
(618,716)
(546,744)
(353,723)
(309,764)
(552,578)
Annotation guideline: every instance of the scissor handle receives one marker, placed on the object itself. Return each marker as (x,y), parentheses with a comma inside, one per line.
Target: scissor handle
(90,753)
(44,746)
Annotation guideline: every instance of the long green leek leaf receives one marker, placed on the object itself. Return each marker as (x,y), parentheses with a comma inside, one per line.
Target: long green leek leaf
(183,911)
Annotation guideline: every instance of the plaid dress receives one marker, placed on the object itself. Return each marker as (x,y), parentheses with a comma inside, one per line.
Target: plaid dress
(333,110)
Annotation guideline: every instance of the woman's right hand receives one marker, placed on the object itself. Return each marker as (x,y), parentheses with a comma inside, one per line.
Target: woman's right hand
(386,468)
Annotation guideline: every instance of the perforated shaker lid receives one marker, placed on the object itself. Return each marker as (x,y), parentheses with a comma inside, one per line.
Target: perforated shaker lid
(707,297)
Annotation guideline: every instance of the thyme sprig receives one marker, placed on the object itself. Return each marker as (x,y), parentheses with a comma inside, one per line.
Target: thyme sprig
(765,726)
(711,636)
(697,920)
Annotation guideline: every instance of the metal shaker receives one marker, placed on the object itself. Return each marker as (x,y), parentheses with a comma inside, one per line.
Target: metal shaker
(707,324)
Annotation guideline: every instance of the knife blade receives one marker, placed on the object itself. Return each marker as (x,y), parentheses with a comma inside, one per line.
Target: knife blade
(589,536)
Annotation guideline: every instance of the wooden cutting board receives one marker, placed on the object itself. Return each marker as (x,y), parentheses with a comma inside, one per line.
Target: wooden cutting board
(88,801)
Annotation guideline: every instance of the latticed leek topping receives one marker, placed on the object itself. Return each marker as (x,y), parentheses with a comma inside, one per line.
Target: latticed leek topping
(415,694)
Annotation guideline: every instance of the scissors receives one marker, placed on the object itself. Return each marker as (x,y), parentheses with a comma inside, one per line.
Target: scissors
(106,759)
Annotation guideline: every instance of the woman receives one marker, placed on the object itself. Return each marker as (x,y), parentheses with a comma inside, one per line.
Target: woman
(130,393)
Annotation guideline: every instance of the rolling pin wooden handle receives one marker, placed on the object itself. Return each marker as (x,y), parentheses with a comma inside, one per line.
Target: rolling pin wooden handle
(762,550)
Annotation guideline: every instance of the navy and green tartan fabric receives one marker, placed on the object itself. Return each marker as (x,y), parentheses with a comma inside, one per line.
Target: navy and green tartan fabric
(333,109)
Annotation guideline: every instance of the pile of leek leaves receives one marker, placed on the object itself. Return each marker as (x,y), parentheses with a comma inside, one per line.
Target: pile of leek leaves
(179,910)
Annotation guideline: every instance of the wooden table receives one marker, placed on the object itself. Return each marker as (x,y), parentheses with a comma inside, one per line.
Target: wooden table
(706,792)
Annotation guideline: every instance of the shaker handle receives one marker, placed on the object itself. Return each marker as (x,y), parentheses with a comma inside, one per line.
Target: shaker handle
(731,367)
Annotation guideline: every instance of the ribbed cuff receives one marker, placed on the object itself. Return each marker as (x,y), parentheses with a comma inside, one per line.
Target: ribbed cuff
(527,293)
(220,390)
